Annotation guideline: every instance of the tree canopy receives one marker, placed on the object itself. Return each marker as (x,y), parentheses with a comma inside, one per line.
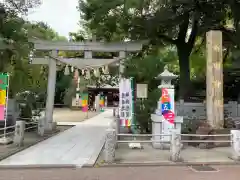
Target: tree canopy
(162,22)
(15,32)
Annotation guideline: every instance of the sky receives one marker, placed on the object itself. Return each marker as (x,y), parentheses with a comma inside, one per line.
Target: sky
(60,15)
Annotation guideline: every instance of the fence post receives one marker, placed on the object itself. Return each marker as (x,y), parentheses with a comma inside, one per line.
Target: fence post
(19,133)
(117,119)
(109,147)
(41,125)
(114,112)
(235,138)
(175,147)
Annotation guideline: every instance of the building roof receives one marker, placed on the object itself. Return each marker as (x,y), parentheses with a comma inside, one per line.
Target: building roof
(104,87)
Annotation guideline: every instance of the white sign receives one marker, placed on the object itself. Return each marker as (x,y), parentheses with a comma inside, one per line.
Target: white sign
(125,99)
(142,90)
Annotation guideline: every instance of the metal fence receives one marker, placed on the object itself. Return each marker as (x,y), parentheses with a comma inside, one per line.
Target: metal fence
(31,125)
(175,143)
(13,133)
(141,135)
(205,141)
(7,131)
(181,135)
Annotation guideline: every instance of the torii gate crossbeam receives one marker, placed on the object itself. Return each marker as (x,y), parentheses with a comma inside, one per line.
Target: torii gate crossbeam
(77,62)
(88,48)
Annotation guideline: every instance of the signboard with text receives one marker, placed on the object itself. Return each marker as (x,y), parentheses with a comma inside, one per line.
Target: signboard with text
(126,102)
(142,90)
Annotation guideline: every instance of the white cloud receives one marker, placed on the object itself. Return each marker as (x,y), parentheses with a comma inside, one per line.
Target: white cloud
(61,15)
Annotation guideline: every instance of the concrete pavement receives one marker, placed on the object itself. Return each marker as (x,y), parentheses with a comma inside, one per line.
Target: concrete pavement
(66,116)
(76,146)
(133,173)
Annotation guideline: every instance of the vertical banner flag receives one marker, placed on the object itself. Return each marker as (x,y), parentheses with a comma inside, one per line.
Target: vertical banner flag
(3,81)
(126,102)
(167,112)
(3,95)
(84,98)
(167,101)
(101,103)
(2,113)
(77,80)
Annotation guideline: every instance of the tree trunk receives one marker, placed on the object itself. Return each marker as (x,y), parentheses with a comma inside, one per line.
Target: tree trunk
(184,64)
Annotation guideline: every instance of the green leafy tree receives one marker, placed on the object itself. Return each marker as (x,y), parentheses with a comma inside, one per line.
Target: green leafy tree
(63,83)
(145,70)
(161,22)
(15,60)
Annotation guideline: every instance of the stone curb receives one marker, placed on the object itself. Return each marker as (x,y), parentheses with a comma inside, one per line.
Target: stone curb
(93,160)
(43,166)
(103,165)
(71,166)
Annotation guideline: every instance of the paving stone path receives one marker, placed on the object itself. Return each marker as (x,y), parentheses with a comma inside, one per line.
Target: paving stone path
(77,146)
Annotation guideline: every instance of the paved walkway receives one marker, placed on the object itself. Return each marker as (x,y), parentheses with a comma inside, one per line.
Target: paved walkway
(133,173)
(66,116)
(77,146)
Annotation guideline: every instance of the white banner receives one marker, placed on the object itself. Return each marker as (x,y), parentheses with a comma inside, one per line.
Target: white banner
(125,102)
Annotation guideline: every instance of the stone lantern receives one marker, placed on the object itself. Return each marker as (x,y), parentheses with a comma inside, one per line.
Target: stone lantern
(164,120)
(166,78)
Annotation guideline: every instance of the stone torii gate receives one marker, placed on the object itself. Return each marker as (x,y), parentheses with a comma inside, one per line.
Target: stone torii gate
(88,48)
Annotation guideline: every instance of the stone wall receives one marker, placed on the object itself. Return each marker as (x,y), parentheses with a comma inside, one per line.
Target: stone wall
(186,109)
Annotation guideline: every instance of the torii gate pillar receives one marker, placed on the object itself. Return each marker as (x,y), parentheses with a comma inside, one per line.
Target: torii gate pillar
(122,55)
(52,72)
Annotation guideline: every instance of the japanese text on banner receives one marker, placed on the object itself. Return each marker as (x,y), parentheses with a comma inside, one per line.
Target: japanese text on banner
(125,102)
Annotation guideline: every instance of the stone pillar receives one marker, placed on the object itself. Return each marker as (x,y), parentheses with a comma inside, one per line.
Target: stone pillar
(97,101)
(214,79)
(175,147)
(156,129)
(88,54)
(114,112)
(52,71)
(122,55)
(117,128)
(235,144)
(109,147)
(41,125)
(106,102)
(19,133)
